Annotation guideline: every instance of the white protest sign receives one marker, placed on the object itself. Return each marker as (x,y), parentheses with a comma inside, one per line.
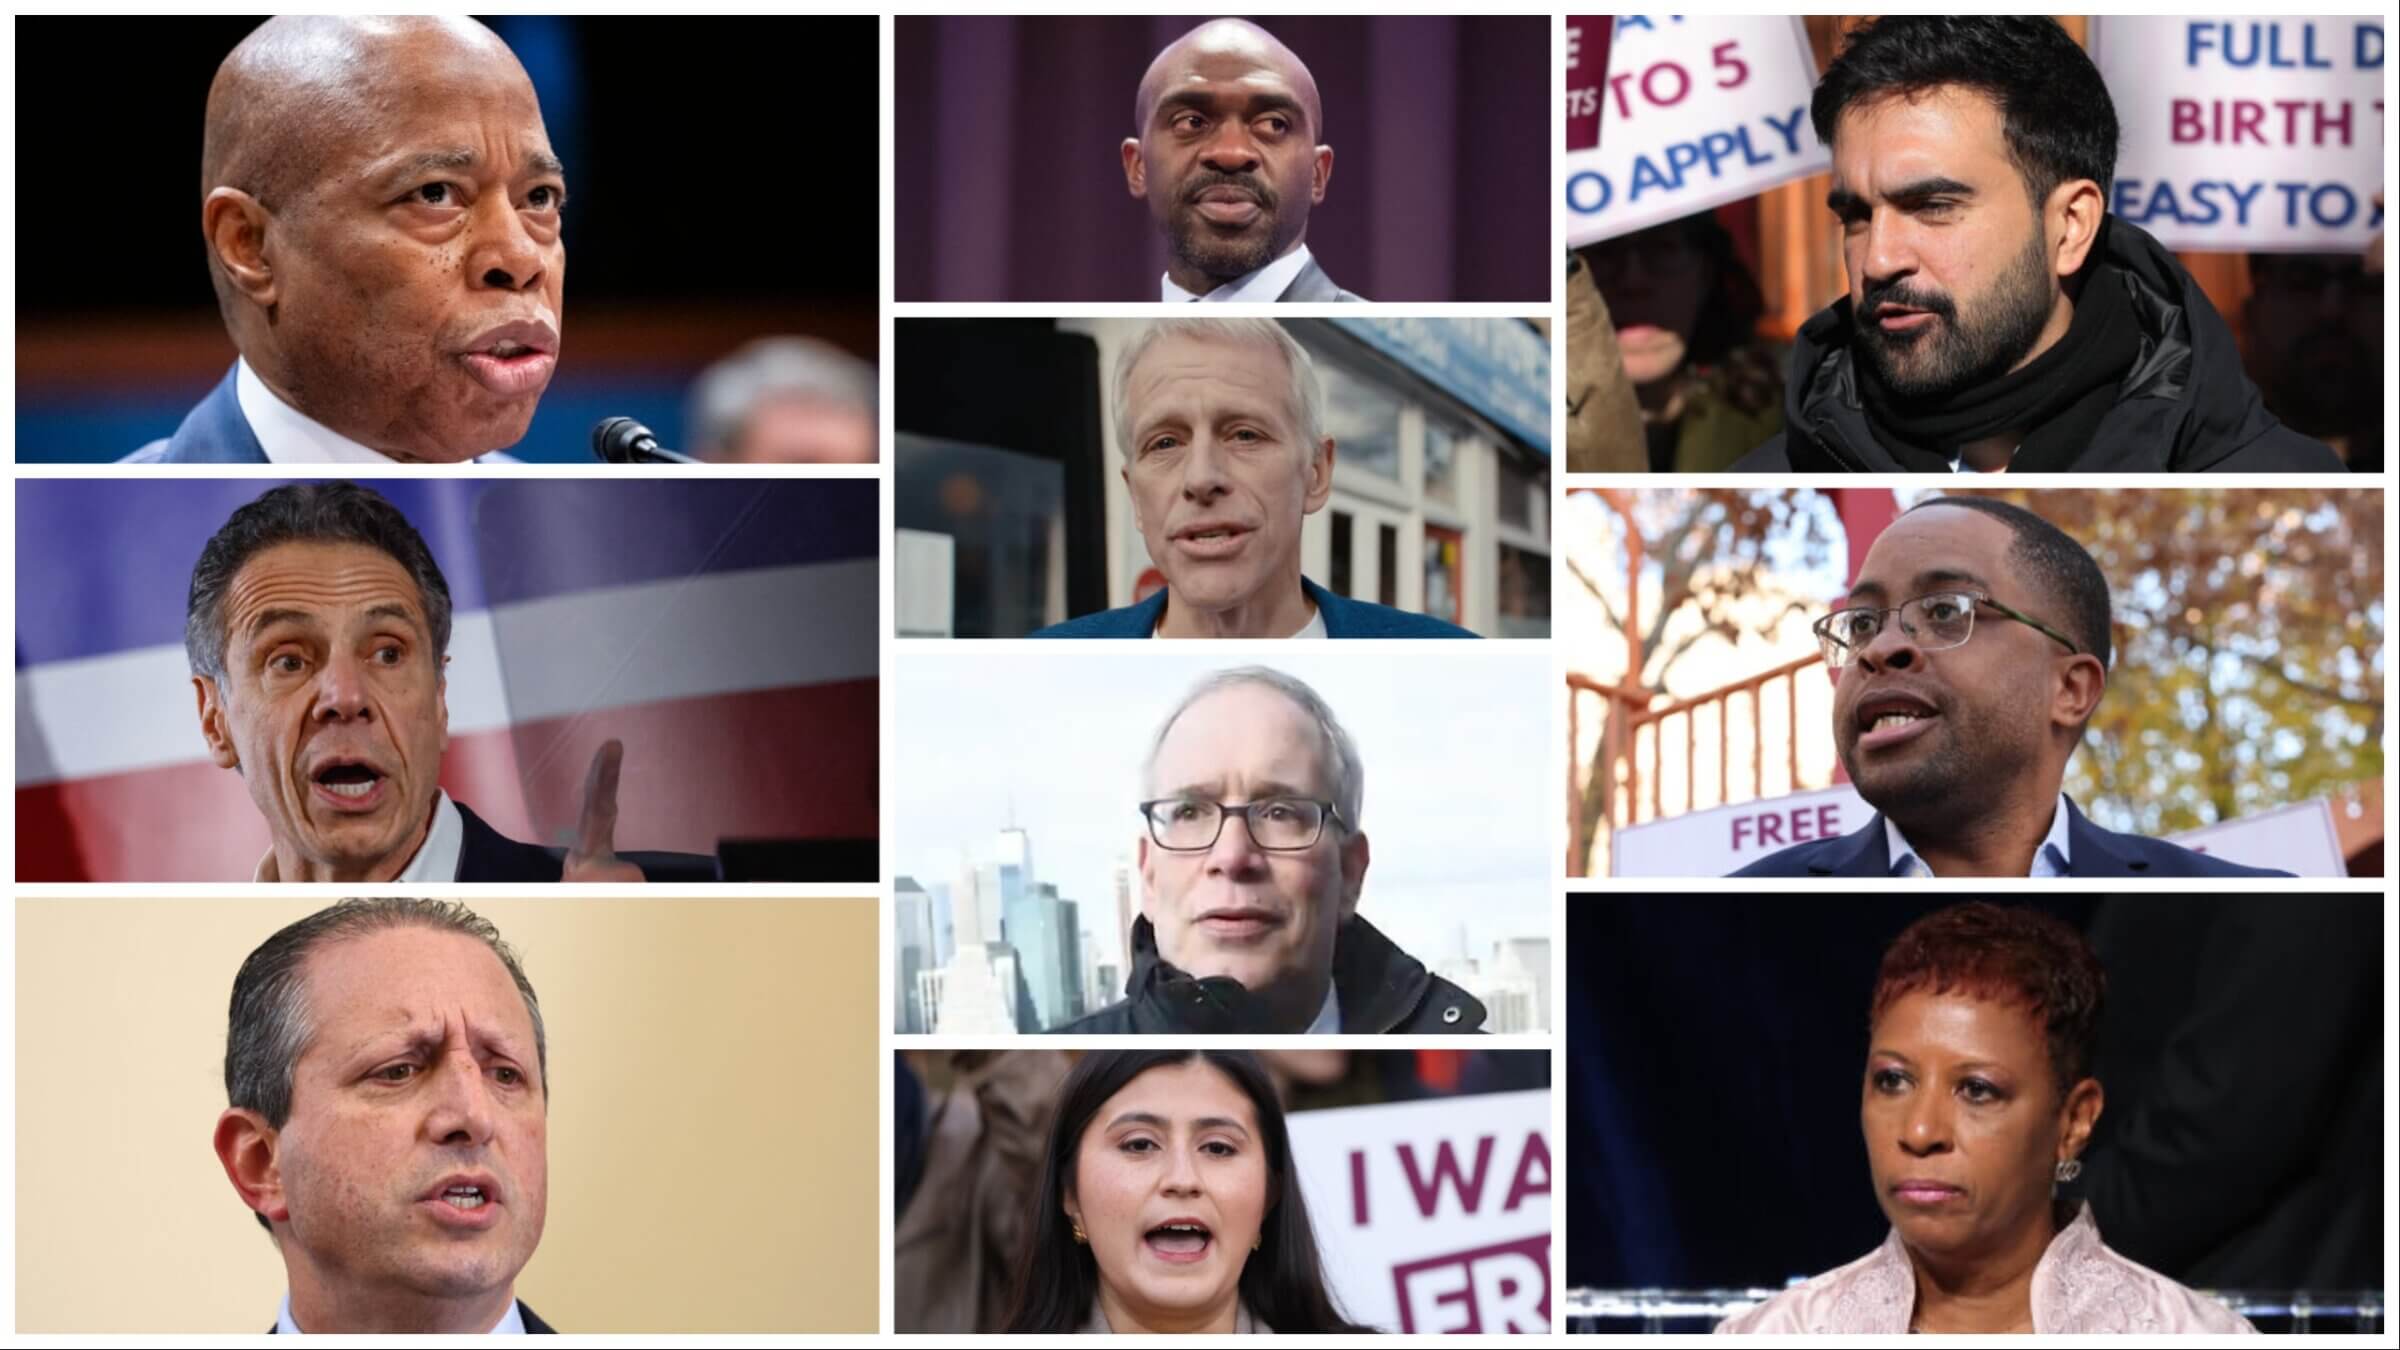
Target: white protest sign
(2299,839)
(1696,110)
(1433,1216)
(2242,134)
(1724,839)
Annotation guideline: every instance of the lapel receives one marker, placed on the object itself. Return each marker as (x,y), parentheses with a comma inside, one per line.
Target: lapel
(215,432)
(2095,852)
(1861,853)
(1311,284)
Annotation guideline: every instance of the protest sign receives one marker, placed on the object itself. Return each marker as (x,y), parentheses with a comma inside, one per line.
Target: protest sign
(1433,1216)
(2242,134)
(1695,110)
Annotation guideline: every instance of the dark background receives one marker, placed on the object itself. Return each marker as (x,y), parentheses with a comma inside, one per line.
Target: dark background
(721,178)
(1008,184)
(1716,1043)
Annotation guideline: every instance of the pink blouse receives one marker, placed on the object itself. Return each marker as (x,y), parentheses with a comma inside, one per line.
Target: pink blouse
(2080,1287)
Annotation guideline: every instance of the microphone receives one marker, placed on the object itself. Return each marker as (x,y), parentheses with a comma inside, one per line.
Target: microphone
(621,440)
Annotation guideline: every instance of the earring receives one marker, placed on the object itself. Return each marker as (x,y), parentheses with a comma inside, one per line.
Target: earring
(1080,1238)
(1258,1241)
(2068,1169)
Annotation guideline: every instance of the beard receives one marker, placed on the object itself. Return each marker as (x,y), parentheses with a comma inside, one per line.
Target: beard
(1944,787)
(1953,354)
(1212,252)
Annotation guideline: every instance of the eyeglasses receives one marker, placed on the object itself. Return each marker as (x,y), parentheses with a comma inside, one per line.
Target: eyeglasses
(1935,623)
(1276,824)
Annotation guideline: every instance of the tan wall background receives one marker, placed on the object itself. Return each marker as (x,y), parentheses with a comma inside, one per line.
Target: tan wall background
(713,1118)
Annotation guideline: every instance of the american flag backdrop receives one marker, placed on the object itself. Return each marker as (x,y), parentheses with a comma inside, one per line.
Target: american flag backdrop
(725,630)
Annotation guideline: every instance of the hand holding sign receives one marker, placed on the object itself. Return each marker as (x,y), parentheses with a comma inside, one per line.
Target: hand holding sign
(594,854)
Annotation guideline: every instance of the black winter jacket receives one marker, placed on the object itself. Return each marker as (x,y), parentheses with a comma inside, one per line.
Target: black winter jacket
(2184,406)
(1380,988)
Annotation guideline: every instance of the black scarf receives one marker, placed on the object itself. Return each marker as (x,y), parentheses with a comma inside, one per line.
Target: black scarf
(2056,400)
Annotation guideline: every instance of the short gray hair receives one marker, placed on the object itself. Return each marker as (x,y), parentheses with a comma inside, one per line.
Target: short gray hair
(726,393)
(1307,399)
(1337,753)
(268,1026)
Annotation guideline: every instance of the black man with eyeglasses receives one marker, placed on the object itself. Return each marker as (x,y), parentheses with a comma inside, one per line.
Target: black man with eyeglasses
(1252,858)
(1969,656)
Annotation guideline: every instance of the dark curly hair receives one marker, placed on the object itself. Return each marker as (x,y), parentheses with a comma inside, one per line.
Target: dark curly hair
(2059,120)
(2004,954)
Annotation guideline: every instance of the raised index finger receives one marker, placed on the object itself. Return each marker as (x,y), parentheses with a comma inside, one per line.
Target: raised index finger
(596,835)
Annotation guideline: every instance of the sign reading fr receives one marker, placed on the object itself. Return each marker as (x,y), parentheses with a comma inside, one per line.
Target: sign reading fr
(1433,1216)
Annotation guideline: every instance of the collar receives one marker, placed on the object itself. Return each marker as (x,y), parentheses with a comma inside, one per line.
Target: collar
(512,1322)
(287,435)
(2071,1248)
(435,860)
(1244,1324)
(1314,628)
(1266,283)
(1329,1017)
(2049,860)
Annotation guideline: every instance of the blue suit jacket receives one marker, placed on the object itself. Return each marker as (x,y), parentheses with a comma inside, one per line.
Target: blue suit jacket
(2091,852)
(1344,618)
(215,432)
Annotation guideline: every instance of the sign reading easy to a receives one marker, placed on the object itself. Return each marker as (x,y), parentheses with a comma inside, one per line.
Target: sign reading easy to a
(2247,133)
(1695,110)
(1433,1216)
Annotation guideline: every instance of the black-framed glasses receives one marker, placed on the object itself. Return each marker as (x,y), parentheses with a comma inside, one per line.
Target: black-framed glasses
(1276,824)
(1935,622)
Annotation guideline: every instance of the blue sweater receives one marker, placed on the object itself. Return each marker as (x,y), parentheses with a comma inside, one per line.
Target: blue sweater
(1344,618)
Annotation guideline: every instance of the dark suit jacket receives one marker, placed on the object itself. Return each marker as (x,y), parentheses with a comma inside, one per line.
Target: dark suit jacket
(215,432)
(485,854)
(534,1326)
(2091,852)
(2242,1145)
(1344,618)
(1314,286)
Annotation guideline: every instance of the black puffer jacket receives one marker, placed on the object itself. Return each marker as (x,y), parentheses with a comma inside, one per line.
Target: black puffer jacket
(1380,987)
(2183,407)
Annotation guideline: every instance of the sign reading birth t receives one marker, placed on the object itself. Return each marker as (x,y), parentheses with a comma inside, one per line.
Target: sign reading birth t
(2244,134)
(1693,111)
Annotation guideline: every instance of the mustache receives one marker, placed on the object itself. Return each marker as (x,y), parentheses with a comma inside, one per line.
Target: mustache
(1897,291)
(1211,178)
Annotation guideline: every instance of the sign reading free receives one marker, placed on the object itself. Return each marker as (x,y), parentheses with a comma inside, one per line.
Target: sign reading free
(2241,134)
(1433,1216)
(2299,839)
(1695,110)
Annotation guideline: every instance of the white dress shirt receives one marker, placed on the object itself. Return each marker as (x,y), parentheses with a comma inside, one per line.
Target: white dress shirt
(512,1323)
(2050,860)
(289,436)
(1266,283)
(436,859)
(1314,628)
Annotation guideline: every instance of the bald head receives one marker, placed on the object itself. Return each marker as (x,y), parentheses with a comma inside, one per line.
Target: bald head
(382,211)
(300,85)
(1223,40)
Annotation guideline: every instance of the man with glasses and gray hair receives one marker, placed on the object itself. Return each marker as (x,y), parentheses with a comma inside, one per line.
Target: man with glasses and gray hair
(1221,425)
(1252,858)
(1972,652)
(388,1082)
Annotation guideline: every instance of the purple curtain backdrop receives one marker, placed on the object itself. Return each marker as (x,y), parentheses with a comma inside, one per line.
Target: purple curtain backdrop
(1008,186)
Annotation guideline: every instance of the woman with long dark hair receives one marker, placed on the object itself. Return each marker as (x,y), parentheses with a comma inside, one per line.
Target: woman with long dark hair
(1167,1203)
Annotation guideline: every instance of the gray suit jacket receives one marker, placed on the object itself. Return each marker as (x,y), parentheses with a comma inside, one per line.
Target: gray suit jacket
(1314,286)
